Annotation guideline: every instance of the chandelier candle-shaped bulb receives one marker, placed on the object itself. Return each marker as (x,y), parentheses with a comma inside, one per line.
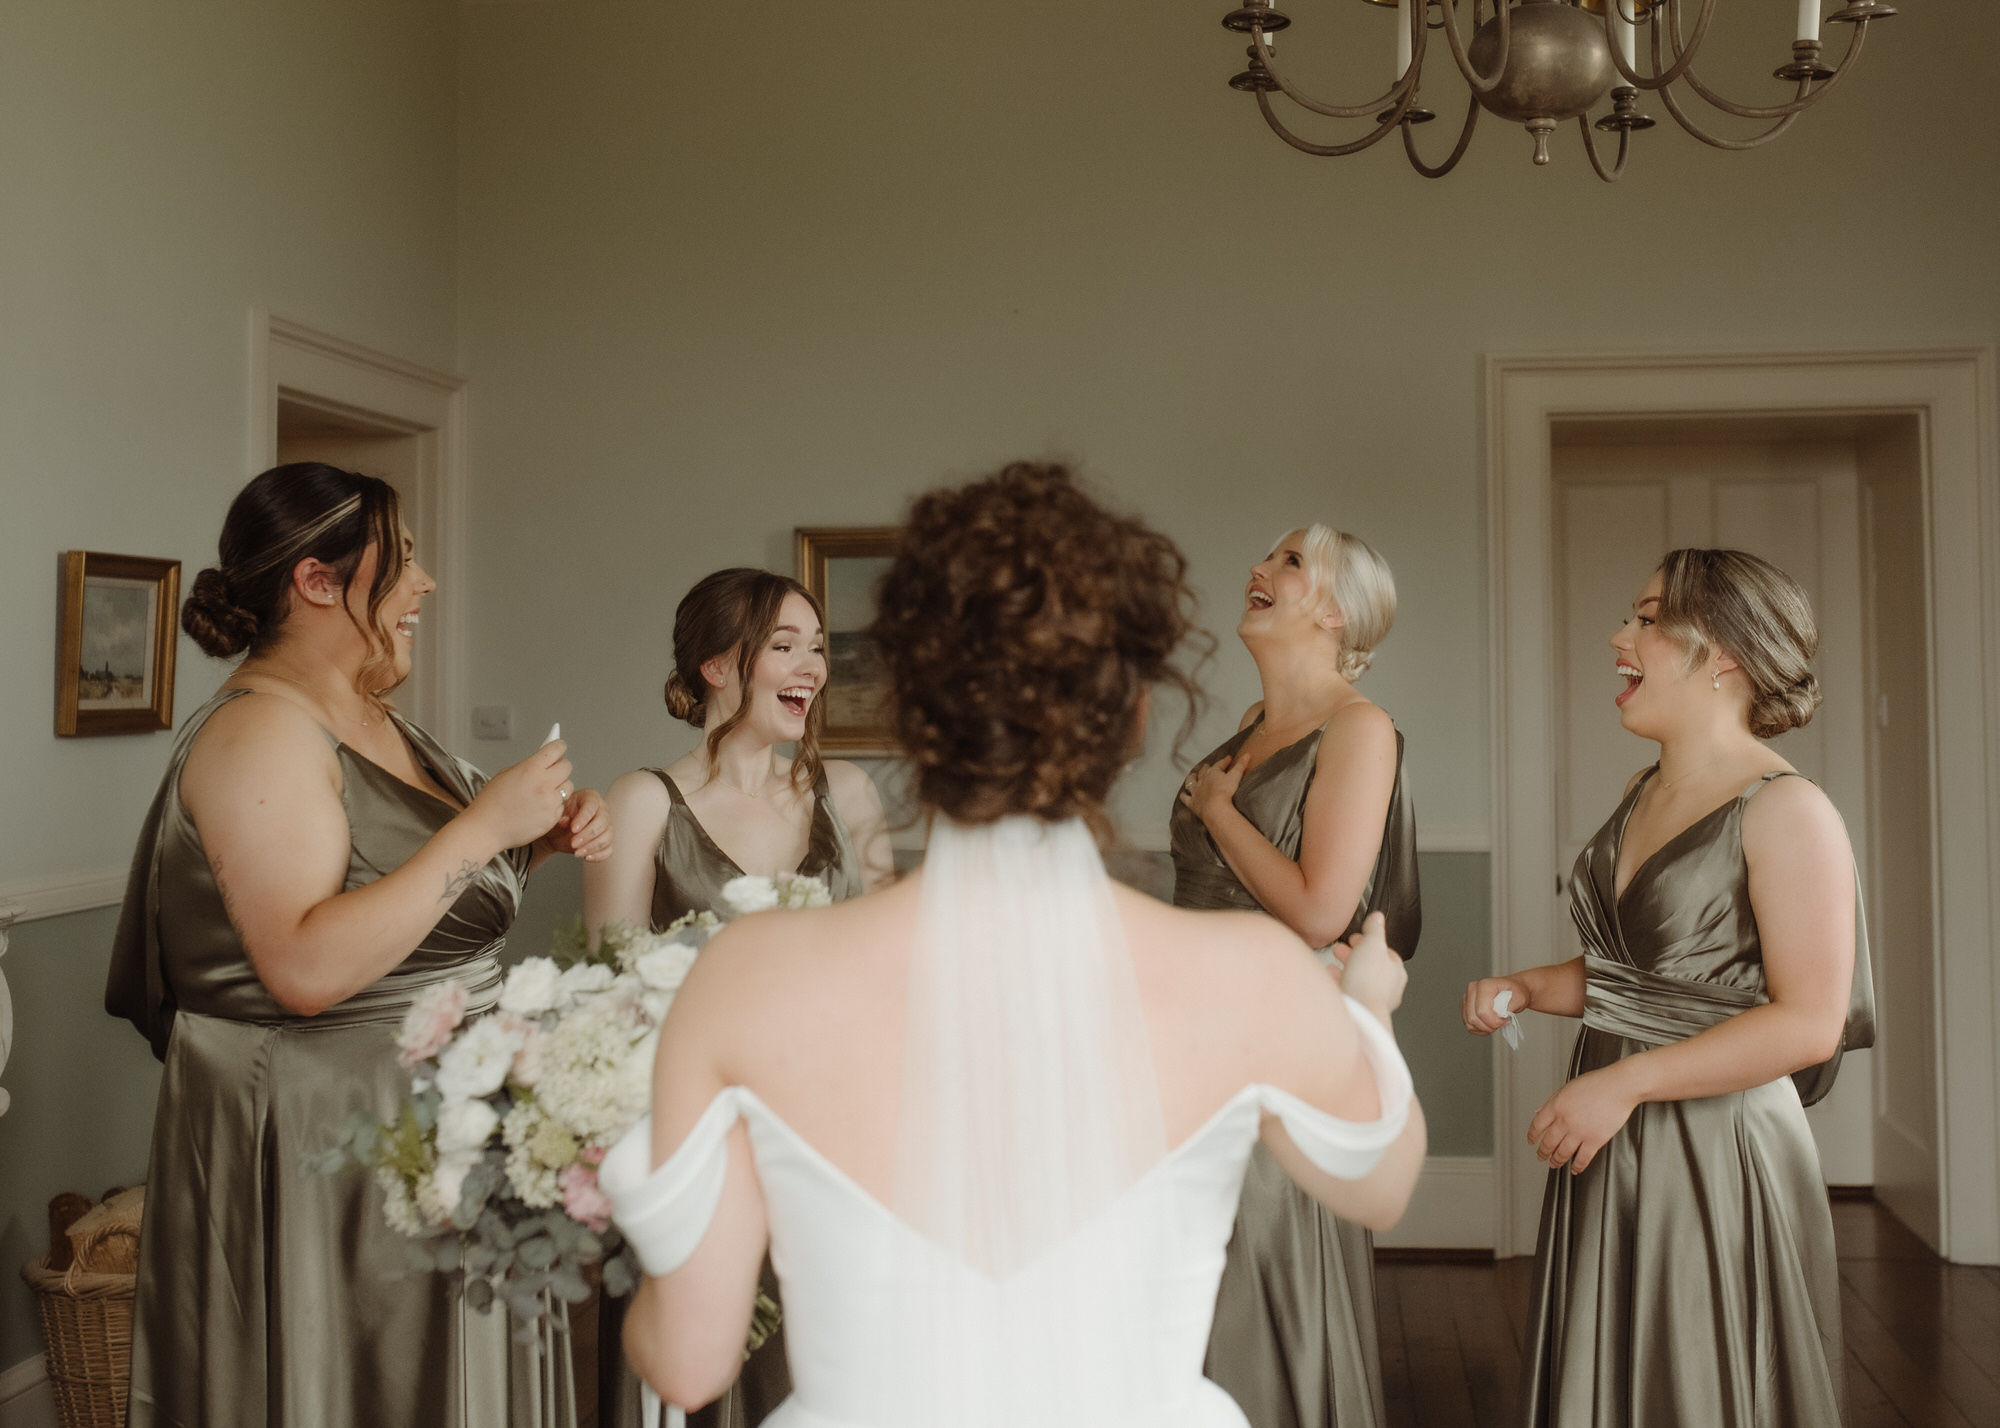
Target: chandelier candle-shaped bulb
(1808,19)
(1403,34)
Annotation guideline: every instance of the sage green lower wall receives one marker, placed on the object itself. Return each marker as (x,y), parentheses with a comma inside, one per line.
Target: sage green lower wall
(84,1084)
(83,1088)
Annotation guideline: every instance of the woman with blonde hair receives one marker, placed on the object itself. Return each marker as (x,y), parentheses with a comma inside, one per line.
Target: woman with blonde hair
(1685,1271)
(1302,814)
(993,1121)
(750,669)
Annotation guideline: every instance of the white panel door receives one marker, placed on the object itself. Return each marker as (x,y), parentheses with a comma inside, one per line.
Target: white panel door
(1619,509)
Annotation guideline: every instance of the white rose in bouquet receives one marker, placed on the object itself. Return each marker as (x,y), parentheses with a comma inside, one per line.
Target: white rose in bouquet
(531,987)
(582,980)
(476,1063)
(465,1125)
(749,894)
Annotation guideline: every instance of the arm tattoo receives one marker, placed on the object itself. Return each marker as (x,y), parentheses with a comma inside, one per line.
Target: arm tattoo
(222,888)
(459,881)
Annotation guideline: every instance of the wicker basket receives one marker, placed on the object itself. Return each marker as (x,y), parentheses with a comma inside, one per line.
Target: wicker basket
(87,1323)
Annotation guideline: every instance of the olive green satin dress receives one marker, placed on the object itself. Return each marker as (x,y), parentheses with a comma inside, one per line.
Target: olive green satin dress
(689,872)
(270,1297)
(1294,1338)
(1687,1276)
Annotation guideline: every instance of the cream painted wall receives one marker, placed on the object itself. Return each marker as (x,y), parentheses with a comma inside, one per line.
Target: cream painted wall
(165,168)
(711,292)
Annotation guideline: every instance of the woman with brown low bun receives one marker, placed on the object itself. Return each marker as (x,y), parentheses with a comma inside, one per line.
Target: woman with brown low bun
(312,863)
(992,1121)
(1685,1271)
(750,668)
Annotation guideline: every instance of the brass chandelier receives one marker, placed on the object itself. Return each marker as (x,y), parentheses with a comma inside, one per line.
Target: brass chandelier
(1540,62)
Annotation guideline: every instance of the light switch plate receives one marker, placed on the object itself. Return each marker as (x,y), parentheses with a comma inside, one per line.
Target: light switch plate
(493,721)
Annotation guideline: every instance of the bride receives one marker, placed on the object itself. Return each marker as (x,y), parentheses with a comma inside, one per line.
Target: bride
(947,1108)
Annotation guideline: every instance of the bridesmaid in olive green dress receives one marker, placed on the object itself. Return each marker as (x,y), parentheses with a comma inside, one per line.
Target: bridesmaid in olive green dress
(312,862)
(1685,1271)
(749,668)
(1303,814)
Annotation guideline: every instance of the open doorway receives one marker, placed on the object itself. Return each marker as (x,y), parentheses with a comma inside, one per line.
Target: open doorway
(315,397)
(1832,500)
(1869,478)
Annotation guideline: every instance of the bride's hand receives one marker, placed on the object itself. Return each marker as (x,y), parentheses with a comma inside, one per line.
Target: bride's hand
(1369,970)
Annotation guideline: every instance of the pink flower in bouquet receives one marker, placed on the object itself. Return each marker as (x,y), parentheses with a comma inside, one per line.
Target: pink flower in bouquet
(527,1068)
(583,1200)
(432,1018)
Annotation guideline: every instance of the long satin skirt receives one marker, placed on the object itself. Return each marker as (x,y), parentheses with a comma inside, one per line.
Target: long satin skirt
(1294,1338)
(1689,1275)
(272,1298)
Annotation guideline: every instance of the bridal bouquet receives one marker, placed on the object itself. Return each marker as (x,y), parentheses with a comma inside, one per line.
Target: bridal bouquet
(490,1167)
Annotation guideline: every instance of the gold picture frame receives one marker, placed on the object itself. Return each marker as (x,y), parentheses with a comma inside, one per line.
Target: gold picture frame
(115,644)
(840,565)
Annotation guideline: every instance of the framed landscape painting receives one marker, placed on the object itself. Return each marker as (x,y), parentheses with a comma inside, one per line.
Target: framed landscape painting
(115,647)
(841,565)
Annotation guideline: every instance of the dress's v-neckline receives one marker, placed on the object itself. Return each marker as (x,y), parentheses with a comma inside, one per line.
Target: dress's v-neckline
(1275,754)
(401,782)
(812,829)
(1618,895)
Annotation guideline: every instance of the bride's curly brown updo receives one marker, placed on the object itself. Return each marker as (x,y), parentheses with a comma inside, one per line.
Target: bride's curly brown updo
(1020,623)
(302,510)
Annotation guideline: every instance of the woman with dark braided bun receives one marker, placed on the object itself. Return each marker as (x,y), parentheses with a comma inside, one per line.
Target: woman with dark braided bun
(313,862)
(1685,1271)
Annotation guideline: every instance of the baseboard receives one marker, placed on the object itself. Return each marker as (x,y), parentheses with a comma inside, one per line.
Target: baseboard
(60,893)
(1452,1209)
(26,1399)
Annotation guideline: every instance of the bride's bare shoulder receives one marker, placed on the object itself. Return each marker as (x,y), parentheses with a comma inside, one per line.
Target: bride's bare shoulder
(1224,953)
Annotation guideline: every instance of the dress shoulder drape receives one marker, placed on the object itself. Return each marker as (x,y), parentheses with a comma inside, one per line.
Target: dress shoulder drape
(1688,1275)
(1294,1338)
(269,1297)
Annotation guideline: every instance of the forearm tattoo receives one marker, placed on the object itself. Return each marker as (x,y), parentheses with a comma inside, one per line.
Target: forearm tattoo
(459,881)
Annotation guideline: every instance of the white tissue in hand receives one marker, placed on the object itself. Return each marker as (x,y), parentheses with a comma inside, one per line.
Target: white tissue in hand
(1511,1030)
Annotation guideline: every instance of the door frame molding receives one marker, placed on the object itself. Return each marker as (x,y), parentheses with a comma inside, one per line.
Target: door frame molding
(1951,392)
(293,361)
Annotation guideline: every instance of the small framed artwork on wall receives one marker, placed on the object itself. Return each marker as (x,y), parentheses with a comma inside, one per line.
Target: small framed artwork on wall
(841,565)
(115,647)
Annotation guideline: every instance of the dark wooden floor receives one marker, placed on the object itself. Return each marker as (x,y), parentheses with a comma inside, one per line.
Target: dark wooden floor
(1923,1336)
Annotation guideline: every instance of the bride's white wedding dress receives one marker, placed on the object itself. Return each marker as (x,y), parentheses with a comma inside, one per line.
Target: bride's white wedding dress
(1047,1261)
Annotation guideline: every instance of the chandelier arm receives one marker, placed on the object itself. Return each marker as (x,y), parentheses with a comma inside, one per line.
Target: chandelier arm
(1617,170)
(1810,92)
(1464,141)
(1674,108)
(1398,92)
(1327,151)
(1682,60)
(1479,83)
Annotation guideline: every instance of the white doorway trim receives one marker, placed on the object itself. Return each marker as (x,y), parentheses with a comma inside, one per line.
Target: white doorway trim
(1951,391)
(293,362)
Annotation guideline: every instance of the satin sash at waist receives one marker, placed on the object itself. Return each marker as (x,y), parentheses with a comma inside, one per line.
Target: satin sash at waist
(382,1003)
(1645,1006)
